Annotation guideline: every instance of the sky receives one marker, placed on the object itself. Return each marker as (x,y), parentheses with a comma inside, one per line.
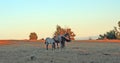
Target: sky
(86,18)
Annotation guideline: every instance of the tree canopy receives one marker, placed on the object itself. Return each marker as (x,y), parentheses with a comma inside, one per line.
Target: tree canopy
(33,36)
(112,34)
(61,31)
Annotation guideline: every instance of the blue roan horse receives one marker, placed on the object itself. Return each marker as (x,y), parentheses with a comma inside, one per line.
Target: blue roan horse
(50,41)
(57,39)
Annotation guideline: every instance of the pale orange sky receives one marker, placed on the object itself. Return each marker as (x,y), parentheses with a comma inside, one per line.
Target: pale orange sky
(86,17)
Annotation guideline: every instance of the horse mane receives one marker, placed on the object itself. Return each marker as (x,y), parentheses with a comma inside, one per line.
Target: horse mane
(67,34)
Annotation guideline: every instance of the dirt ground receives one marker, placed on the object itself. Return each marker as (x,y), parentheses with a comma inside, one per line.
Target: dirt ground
(74,52)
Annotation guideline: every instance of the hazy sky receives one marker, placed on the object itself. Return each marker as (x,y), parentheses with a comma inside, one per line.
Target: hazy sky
(86,17)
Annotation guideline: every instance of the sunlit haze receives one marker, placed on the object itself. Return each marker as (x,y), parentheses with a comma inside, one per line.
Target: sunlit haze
(86,18)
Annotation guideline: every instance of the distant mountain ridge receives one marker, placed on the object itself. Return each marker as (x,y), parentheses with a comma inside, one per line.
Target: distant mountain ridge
(87,38)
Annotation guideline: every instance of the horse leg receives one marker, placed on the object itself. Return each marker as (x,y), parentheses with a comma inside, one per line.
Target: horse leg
(47,46)
(63,44)
(57,45)
(53,46)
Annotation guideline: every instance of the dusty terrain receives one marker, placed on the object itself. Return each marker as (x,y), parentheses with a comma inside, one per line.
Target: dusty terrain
(75,52)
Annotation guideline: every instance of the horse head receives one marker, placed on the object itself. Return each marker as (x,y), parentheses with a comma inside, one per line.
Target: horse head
(67,37)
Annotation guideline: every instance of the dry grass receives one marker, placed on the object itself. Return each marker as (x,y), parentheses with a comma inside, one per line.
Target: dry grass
(75,52)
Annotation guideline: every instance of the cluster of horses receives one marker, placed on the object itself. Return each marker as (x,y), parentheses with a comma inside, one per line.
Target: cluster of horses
(56,40)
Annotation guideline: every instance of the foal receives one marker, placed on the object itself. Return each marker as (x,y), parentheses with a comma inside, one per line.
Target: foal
(50,41)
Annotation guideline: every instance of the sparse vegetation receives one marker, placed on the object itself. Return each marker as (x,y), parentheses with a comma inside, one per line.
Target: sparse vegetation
(33,36)
(61,31)
(108,35)
(113,34)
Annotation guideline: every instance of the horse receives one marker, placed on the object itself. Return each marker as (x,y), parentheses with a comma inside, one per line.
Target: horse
(57,39)
(62,39)
(50,41)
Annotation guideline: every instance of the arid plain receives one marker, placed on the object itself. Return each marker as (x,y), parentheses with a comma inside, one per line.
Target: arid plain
(84,51)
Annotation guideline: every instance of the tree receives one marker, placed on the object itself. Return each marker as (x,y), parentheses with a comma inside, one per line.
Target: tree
(61,31)
(117,31)
(113,34)
(33,36)
(119,23)
(101,36)
(108,35)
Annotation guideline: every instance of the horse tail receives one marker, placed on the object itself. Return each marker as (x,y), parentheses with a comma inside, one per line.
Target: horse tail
(46,40)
